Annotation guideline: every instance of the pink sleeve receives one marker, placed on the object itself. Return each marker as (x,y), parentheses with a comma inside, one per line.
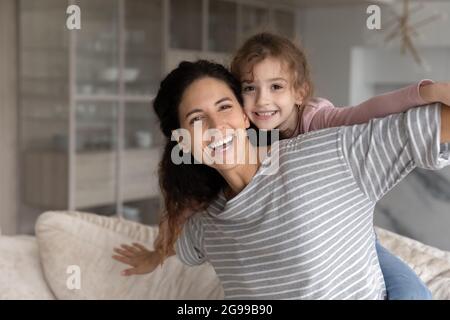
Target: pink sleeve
(326,115)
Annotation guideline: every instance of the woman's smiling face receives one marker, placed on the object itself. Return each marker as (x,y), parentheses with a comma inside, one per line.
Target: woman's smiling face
(215,121)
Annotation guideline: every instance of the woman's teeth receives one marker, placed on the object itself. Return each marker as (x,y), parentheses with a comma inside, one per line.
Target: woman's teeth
(224,143)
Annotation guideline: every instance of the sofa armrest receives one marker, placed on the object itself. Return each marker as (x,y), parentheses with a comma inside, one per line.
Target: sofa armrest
(21,275)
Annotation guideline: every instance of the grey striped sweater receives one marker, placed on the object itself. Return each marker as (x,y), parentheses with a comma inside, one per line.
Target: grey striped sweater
(307,231)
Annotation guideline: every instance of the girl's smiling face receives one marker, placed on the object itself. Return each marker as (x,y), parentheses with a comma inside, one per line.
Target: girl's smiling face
(208,105)
(269,96)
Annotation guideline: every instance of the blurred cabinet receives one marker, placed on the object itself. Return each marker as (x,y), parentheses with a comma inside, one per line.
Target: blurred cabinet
(253,20)
(222,26)
(284,23)
(185,21)
(88,137)
(214,29)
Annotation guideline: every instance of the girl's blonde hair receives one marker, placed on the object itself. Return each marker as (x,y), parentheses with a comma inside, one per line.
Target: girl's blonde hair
(264,45)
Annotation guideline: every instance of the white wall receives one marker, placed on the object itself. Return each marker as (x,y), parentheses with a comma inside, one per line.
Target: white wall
(349,62)
(436,33)
(387,66)
(330,33)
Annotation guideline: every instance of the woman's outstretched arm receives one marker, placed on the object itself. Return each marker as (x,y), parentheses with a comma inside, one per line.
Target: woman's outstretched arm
(382,152)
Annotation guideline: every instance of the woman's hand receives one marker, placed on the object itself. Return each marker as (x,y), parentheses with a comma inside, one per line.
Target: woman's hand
(142,260)
(436,92)
(445,124)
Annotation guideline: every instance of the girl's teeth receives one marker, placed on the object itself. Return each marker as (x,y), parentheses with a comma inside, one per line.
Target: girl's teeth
(264,114)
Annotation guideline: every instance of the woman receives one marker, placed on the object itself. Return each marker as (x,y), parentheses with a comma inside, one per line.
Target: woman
(304,232)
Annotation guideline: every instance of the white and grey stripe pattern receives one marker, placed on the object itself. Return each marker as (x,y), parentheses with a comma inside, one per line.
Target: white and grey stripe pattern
(307,232)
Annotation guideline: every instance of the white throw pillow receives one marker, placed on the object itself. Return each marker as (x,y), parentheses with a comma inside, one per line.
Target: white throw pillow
(86,241)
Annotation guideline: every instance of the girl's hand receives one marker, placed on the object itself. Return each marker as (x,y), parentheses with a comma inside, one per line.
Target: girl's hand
(142,260)
(436,92)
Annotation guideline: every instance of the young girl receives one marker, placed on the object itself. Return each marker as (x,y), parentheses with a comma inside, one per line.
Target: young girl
(277,90)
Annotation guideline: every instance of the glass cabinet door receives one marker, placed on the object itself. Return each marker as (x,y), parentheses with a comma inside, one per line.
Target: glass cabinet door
(143,149)
(222,20)
(97,48)
(44,67)
(143,47)
(43,109)
(253,20)
(284,23)
(96,156)
(141,126)
(186,24)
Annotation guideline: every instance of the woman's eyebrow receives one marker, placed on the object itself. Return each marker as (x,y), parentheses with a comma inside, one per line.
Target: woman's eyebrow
(193,111)
(200,110)
(222,100)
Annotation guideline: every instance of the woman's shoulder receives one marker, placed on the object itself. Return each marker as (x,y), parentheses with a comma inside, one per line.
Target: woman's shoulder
(310,141)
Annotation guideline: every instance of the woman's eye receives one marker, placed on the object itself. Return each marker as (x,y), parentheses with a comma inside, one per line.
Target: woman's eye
(248,89)
(224,107)
(195,119)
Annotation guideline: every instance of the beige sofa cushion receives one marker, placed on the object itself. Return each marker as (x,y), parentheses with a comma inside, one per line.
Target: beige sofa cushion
(21,275)
(87,240)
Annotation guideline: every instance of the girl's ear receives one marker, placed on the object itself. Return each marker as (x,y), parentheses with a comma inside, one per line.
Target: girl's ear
(300,94)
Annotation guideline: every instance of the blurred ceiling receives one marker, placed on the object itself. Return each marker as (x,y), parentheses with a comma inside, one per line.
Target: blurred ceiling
(322,3)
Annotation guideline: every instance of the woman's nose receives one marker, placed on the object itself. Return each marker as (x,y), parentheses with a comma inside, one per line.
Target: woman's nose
(216,122)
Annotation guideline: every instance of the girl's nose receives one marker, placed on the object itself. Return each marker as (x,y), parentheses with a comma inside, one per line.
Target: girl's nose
(262,98)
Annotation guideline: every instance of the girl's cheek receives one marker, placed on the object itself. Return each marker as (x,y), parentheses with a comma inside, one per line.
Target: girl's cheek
(248,102)
(247,111)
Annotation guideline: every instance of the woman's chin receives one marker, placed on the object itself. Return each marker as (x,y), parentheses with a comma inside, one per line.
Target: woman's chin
(223,161)
(224,167)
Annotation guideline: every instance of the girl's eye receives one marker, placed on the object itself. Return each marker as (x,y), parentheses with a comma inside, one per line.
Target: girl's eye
(276,87)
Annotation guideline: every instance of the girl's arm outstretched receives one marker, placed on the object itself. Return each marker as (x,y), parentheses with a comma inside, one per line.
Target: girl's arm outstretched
(322,114)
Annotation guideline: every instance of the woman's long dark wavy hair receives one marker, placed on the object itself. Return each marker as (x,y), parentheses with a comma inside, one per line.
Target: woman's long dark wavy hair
(185,187)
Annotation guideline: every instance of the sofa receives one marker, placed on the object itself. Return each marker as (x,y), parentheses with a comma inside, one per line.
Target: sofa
(70,258)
